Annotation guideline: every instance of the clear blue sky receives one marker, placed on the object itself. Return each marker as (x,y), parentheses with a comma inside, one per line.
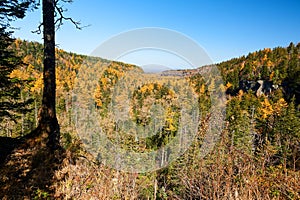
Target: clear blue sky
(224,28)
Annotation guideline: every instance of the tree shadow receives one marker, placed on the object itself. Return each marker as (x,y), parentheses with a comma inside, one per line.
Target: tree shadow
(27,167)
(7,145)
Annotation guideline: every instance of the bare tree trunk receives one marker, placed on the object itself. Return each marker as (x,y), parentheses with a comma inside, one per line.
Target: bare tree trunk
(155,189)
(22,116)
(47,117)
(35,113)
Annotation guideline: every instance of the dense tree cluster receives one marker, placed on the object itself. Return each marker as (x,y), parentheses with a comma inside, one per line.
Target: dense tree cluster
(279,66)
(13,104)
(257,155)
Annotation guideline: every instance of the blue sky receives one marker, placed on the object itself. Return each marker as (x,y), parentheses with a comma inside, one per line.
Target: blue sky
(224,28)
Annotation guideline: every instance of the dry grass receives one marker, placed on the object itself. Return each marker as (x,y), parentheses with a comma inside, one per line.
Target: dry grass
(31,171)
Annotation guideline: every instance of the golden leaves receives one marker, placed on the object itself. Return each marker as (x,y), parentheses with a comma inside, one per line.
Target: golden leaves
(202,89)
(279,106)
(38,85)
(266,109)
(19,74)
(228,85)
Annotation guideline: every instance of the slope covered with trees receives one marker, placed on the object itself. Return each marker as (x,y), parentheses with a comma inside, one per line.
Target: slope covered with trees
(257,155)
(280,66)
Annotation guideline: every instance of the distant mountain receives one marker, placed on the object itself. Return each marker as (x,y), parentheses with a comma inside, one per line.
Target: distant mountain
(154,68)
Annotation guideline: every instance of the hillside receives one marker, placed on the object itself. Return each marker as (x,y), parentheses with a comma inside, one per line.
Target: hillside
(256,155)
(277,68)
(68,65)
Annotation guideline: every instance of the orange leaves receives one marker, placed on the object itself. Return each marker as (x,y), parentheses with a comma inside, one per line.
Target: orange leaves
(266,109)
(228,85)
(111,72)
(19,74)
(265,58)
(170,116)
(104,81)
(149,88)
(279,105)
(156,89)
(266,51)
(241,93)
(17,43)
(202,89)
(28,59)
(144,89)
(242,66)
(272,75)
(97,96)
(107,80)
(37,86)
(269,63)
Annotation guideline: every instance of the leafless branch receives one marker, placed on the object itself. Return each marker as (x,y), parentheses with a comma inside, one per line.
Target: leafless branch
(39,29)
(60,18)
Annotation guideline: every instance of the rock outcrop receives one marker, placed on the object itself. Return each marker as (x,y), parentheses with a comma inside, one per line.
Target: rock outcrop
(259,87)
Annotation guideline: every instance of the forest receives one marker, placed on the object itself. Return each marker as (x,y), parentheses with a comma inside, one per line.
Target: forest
(256,155)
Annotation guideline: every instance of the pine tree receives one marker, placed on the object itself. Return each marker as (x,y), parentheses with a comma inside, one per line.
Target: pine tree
(14,9)
(10,104)
(287,133)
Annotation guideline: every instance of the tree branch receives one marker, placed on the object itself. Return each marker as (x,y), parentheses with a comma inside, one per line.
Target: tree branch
(60,18)
(39,29)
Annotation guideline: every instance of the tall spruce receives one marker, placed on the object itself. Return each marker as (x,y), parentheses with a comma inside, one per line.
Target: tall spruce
(10,102)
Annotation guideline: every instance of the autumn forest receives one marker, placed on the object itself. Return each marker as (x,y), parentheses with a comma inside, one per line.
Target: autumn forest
(256,154)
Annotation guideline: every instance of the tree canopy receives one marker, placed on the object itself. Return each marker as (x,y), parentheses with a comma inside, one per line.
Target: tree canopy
(10,88)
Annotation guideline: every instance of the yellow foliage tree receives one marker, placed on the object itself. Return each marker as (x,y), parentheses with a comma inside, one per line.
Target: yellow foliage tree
(266,109)
(279,105)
